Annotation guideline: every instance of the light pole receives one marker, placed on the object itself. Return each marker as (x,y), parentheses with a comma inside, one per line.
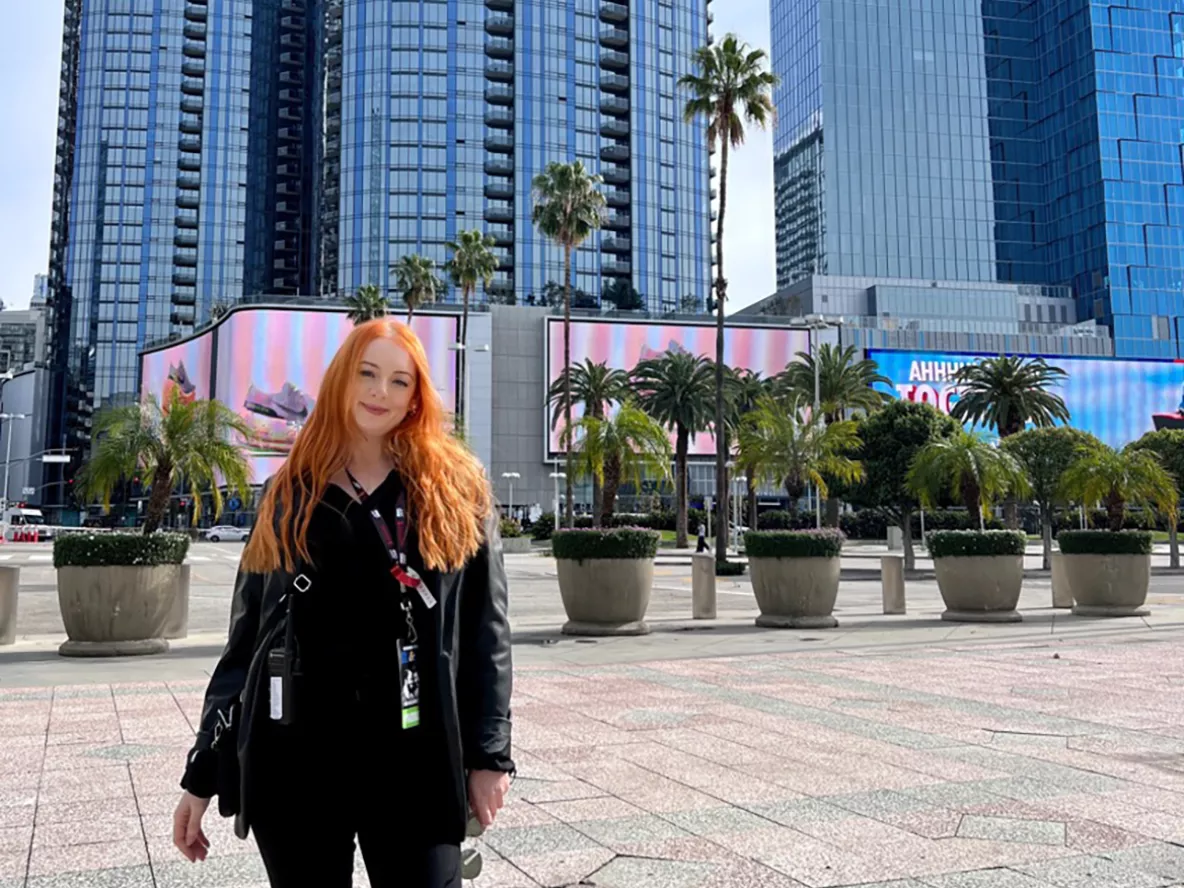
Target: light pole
(463,350)
(8,417)
(557,477)
(510,477)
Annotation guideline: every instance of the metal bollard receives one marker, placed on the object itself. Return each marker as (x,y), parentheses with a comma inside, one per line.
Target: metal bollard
(892,583)
(1062,595)
(703,586)
(10,581)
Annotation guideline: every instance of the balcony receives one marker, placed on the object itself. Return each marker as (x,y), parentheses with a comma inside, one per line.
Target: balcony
(190,68)
(499,212)
(614,12)
(191,126)
(184,279)
(188,182)
(186,220)
(615,245)
(498,118)
(499,143)
(296,77)
(617,221)
(499,48)
(194,30)
(292,94)
(196,13)
(618,38)
(184,240)
(293,39)
(617,268)
(616,105)
(293,21)
(289,189)
(617,153)
(288,169)
(193,49)
(614,127)
(333,99)
(291,133)
(505,260)
(499,190)
(503,71)
(615,175)
(188,201)
(501,25)
(499,95)
(183,318)
(190,144)
(184,297)
(617,197)
(614,83)
(500,5)
(495,166)
(192,104)
(185,259)
(618,61)
(501,285)
(191,87)
(502,235)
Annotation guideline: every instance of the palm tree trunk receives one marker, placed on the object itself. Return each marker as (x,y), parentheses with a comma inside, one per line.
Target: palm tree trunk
(682,438)
(1046,537)
(751,474)
(906,539)
(567,481)
(831,516)
(158,500)
(1173,543)
(612,483)
(1115,511)
(721,292)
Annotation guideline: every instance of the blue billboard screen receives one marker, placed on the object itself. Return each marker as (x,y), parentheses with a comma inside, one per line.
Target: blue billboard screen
(1118,401)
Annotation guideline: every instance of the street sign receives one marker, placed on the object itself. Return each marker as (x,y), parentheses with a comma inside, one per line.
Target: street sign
(28,491)
(60,458)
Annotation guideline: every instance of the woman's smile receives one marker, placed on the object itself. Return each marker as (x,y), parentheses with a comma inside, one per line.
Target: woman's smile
(375,409)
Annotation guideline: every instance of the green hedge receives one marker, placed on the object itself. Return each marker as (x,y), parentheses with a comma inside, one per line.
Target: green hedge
(729,568)
(1105,542)
(967,543)
(619,542)
(119,549)
(825,543)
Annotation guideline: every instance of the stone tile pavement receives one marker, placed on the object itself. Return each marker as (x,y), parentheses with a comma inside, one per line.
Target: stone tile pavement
(1018,764)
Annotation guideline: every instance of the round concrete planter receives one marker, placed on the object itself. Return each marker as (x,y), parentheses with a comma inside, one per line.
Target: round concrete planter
(1108,585)
(116,611)
(795,593)
(606,596)
(980,588)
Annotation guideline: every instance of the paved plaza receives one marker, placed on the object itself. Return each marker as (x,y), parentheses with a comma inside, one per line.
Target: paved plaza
(1048,754)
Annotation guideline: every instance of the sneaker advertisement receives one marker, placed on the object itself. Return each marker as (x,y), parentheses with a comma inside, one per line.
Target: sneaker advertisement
(181,371)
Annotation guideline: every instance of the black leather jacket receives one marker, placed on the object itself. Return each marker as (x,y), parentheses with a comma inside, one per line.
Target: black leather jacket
(474,668)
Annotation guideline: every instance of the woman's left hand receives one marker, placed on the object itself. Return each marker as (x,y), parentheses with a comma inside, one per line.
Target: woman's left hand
(487,794)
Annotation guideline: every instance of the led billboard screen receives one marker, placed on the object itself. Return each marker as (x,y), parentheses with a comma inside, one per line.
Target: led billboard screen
(271,362)
(183,368)
(1116,400)
(621,345)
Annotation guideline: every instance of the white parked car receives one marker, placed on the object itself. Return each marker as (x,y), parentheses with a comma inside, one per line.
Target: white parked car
(228,533)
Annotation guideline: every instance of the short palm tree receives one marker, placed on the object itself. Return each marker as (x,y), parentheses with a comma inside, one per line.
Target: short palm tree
(473,261)
(729,88)
(675,389)
(568,207)
(745,391)
(786,445)
(187,443)
(966,468)
(846,381)
(1118,478)
(366,303)
(1008,392)
(417,280)
(622,448)
(1168,445)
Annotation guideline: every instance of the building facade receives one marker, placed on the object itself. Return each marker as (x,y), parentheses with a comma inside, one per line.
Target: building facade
(1000,141)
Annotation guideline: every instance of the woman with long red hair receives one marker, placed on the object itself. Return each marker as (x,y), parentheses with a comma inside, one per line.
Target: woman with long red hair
(364,691)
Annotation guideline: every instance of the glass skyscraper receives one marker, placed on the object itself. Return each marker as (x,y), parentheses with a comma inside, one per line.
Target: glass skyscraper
(989,140)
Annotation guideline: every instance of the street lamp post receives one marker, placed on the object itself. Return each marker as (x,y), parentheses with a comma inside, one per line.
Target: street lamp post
(557,477)
(8,417)
(464,350)
(510,477)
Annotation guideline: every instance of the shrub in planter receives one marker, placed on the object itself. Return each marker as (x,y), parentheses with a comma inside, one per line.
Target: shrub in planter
(795,576)
(1108,572)
(115,591)
(542,527)
(510,529)
(980,573)
(729,568)
(605,579)
(513,540)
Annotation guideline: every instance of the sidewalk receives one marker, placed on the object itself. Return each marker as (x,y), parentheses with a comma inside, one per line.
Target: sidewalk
(1018,762)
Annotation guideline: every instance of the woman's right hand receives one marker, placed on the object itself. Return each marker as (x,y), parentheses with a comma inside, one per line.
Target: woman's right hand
(187,832)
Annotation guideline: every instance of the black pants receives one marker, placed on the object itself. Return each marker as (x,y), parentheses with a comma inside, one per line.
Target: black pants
(303,848)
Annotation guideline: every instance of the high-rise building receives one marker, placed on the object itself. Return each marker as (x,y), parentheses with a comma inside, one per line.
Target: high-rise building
(40,291)
(989,141)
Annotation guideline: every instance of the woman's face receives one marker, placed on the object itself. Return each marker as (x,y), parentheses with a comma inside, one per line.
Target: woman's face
(386,388)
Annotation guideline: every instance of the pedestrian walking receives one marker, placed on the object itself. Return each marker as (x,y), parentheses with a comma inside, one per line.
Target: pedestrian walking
(702,547)
(364,691)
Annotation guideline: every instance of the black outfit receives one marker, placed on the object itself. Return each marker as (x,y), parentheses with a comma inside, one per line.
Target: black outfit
(345,766)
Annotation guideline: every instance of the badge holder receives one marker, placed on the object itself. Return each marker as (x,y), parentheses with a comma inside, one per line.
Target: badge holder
(409,685)
(282,665)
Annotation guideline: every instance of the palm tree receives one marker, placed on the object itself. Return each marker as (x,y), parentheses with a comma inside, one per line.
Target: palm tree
(675,389)
(187,443)
(567,209)
(729,88)
(622,448)
(746,390)
(1116,478)
(788,446)
(1008,392)
(473,261)
(366,304)
(1168,445)
(417,281)
(968,469)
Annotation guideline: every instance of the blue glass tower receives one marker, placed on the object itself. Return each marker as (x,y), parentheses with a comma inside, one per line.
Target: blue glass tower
(478,97)
(989,140)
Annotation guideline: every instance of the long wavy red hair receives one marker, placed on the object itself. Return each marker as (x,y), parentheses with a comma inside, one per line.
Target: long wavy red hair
(448,494)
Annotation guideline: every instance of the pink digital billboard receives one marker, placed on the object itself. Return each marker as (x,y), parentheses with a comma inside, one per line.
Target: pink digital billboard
(765,350)
(271,362)
(183,369)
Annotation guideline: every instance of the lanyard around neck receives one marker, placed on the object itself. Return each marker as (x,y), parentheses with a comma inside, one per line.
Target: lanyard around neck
(396,544)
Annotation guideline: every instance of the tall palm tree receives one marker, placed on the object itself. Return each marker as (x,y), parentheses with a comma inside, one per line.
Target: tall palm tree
(416,278)
(968,469)
(845,381)
(473,261)
(745,391)
(788,446)
(675,389)
(622,448)
(729,88)
(1118,478)
(184,443)
(366,303)
(568,207)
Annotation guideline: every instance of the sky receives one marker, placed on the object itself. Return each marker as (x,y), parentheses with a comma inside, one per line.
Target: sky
(28,113)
